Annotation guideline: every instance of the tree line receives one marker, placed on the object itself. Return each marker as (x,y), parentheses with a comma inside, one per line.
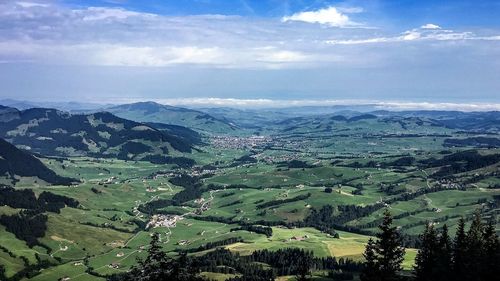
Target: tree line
(290,261)
(276,202)
(31,222)
(473,255)
(26,199)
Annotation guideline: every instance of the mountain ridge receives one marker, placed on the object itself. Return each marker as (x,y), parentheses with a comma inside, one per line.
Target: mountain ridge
(101,134)
(153,112)
(15,162)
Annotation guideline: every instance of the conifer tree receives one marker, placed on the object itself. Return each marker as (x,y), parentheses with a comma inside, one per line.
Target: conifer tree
(384,256)
(474,255)
(491,253)
(371,269)
(304,264)
(474,248)
(444,256)
(460,252)
(158,267)
(389,249)
(427,257)
(2,272)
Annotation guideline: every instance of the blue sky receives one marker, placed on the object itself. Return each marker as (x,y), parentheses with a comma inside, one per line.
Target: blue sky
(268,51)
(460,11)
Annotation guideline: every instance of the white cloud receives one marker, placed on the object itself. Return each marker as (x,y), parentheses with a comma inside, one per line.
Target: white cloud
(416,35)
(220,102)
(394,105)
(31,4)
(100,13)
(282,56)
(116,55)
(489,38)
(271,58)
(158,56)
(357,41)
(430,26)
(411,35)
(328,16)
(58,34)
(272,103)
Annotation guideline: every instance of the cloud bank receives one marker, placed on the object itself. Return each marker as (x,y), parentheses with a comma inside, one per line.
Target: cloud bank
(271,103)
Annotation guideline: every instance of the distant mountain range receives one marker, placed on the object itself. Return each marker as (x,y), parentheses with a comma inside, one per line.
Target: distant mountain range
(65,106)
(339,124)
(475,121)
(17,163)
(253,118)
(247,118)
(8,113)
(406,122)
(226,120)
(147,112)
(54,132)
(158,113)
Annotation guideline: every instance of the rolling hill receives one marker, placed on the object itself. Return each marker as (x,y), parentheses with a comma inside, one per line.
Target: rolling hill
(8,113)
(484,122)
(257,118)
(71,106)
(15,162)
(247,118)
(53,132)
(362,124)
(158,113)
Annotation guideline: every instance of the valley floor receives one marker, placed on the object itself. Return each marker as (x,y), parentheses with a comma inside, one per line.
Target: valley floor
(253,194)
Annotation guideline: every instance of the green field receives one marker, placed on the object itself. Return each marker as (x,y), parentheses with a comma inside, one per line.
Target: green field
(106,233)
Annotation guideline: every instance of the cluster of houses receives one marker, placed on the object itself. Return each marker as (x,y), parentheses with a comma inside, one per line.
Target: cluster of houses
(447,183)
(163,221)
(110,180)
(136,211)
(231,142)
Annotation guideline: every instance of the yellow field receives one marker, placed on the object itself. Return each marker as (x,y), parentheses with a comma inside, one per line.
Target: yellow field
(349,245)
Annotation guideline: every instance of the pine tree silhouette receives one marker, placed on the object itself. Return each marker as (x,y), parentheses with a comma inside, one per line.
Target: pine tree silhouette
(427,257)
(384,256)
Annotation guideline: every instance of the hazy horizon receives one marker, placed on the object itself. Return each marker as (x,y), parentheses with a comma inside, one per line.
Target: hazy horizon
(361,105)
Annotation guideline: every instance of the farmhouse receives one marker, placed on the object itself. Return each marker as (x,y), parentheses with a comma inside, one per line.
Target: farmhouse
(299,238)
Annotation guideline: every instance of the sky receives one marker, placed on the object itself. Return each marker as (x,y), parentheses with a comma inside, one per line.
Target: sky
(252,53)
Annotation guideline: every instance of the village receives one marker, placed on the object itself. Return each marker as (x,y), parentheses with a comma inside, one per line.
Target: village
(232,142)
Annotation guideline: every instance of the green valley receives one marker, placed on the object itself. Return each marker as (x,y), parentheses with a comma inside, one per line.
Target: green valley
(319,184)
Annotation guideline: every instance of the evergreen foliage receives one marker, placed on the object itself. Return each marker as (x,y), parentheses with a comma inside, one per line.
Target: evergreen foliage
(385,255)
(427,256)
(473,256)
(158,266)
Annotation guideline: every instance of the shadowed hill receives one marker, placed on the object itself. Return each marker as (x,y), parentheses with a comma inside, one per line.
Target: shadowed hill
(102,134)
(15,162)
